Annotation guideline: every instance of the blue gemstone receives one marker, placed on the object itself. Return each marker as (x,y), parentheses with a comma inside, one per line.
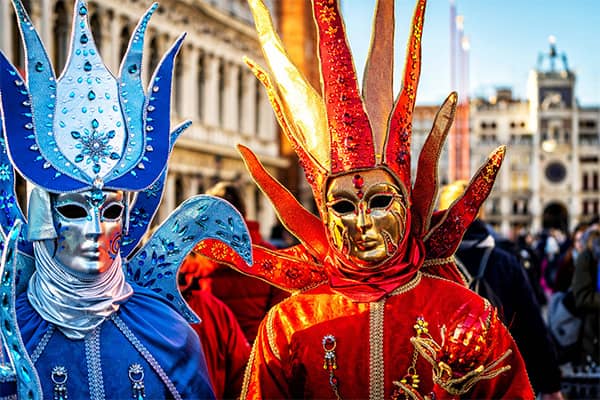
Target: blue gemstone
(75,134)
(91,95)
(83,10)
(39,67)
(96,168)
(87,66)
(133,69)
(83,39)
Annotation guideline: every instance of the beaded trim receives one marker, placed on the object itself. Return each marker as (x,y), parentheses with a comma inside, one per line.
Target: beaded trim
(408,286)
(376,365)
(438,261)
(39,349)
(248,371)
(146,354)
(94,365)
(271,336)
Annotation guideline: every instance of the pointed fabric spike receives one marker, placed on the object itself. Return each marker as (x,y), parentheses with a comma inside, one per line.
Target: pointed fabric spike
(292,269)
(11,209)
(40,73)
(427,172)
(306,108)
(443,239)
(146,204)
(298,220)
(156,130)
(315,173)
(379,74)
(351,139)
(397,151)
(27,379)
(19,140)
(131,72)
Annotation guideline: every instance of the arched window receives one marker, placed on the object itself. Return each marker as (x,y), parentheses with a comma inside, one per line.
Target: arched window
(61,35)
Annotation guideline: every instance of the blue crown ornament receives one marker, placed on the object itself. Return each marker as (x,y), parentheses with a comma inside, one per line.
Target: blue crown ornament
(87,129)
(90,130)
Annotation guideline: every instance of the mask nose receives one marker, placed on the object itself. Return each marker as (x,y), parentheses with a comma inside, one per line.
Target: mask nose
(364,221)
(93,226)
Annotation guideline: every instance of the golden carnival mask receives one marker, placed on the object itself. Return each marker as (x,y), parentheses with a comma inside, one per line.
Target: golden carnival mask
(366,216)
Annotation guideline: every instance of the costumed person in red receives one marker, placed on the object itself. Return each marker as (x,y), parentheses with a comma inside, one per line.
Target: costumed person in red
(380,309)
(225,347)
(248,298)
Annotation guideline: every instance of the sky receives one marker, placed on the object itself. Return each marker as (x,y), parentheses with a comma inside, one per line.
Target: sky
(506,37)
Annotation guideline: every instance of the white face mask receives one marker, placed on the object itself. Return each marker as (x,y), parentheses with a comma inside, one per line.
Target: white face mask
(89,229)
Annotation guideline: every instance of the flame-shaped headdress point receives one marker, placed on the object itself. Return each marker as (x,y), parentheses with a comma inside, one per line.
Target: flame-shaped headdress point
(342,130)
(88,129)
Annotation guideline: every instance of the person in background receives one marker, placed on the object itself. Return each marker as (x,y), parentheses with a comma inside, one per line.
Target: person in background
(505,283)
(566,264)
(225,346)
(248,298)
(586,289)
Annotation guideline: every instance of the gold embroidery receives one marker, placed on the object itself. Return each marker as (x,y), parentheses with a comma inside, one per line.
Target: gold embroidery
(438,261)
(248,371)
(408,286)
(271,335)
(376,365)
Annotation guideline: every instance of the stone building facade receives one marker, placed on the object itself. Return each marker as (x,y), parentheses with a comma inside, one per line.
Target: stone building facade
(212,86)
(550,178)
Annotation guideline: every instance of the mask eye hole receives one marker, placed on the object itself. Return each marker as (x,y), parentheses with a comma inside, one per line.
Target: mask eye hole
(343,207)
(381,201)
(112,212)
(72,211)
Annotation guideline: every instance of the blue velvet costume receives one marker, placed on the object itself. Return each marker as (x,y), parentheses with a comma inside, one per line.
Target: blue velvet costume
(164,334)
(102,138)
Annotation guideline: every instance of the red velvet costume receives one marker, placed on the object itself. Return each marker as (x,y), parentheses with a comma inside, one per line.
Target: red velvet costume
(379,308)
(225,347)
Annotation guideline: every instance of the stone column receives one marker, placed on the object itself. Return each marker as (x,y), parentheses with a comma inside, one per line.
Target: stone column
(7,21)
(168,201)
(211,90)
(575,206)
(249,191)
(188,87)
(112,46)
(249,104)
(46,31)
(231,120)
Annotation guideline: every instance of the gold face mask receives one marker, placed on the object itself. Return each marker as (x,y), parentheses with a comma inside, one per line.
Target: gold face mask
(366,214)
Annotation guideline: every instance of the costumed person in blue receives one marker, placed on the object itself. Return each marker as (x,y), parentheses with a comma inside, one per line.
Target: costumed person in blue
(87,311)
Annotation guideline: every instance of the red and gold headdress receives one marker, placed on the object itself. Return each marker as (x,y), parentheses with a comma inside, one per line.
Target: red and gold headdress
(342,130)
